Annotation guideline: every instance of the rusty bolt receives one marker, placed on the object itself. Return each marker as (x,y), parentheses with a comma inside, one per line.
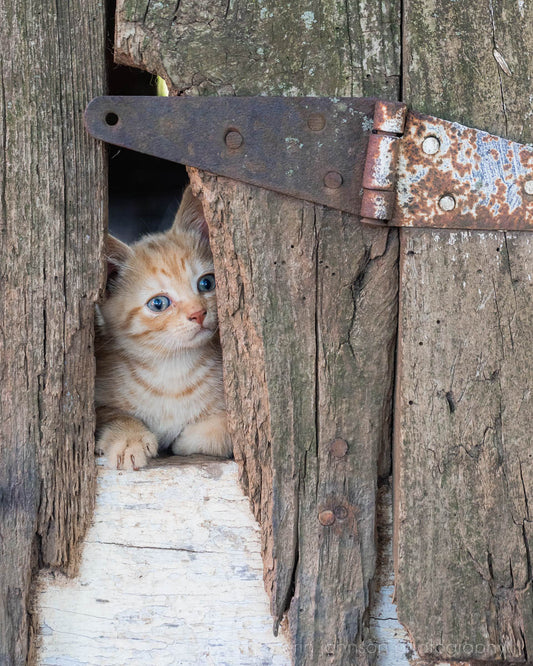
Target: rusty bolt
(233,139)
(326,517)
(447,202)
(333,180)
(341,512)
(431,145)
(528,187)
(316,122)
(338,448)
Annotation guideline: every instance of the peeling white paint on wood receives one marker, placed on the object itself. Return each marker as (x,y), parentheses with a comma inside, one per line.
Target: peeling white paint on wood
(171,573)
(389,642)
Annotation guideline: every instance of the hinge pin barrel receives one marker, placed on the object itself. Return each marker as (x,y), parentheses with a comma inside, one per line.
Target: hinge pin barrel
(379,177)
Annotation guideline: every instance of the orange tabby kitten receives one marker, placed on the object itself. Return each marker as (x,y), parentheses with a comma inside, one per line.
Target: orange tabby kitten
(159,365)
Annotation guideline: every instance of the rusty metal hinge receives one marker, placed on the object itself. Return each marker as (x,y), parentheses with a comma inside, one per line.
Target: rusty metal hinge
(364,156)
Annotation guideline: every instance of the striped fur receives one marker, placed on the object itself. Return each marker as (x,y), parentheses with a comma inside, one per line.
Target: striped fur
(159,374)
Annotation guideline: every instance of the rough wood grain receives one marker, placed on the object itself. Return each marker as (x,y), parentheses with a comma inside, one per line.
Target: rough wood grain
(464,468)
(51,221)
(307,301)
(171,573)
(244,47)
(308,333)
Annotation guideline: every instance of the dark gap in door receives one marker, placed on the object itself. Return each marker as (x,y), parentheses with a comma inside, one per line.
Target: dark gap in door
(144,191)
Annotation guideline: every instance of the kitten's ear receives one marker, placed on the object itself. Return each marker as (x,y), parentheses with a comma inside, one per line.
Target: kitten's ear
(190,216)
(117,254)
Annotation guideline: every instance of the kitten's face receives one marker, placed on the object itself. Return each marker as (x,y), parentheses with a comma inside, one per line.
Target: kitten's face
(163,295)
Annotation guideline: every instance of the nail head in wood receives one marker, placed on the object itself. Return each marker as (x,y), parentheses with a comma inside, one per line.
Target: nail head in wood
(338,448)
(326,517)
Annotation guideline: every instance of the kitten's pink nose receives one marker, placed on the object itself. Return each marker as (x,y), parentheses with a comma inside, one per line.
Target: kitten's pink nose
(197,316)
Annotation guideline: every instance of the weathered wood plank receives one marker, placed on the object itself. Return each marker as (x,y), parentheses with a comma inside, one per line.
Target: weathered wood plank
(51,222)
(313,312)
(171,573)
(243,47)
(464,468)
(307,301)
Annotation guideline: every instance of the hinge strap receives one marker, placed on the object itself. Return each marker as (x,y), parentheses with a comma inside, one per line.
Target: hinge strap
(367,157)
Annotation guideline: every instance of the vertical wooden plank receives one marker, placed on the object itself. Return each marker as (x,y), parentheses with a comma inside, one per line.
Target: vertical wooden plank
(311,327)
(463,438)
(52,217)
(307,300)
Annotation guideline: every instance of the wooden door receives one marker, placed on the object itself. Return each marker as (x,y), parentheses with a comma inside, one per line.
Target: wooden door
(308,311)
(308,306)
(463,470)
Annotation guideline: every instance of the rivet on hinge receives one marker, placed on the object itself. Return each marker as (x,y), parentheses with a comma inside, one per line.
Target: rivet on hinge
(379,176)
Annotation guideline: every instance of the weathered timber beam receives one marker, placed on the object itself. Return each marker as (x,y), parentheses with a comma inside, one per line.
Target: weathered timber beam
(52,212)
(464,467)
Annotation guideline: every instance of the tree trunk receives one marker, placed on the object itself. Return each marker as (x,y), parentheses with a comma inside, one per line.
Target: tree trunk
(51,223)
(463,470)
(307,300)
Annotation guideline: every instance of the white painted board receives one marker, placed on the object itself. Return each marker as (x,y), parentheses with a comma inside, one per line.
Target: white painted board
(171,573)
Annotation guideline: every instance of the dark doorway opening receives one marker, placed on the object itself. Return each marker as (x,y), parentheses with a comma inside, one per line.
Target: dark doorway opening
(144,191)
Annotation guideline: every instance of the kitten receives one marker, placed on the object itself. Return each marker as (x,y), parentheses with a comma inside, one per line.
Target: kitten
(159,364)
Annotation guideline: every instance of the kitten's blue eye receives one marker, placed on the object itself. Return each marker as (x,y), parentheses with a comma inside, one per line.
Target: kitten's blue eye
(158,303)
(206,282)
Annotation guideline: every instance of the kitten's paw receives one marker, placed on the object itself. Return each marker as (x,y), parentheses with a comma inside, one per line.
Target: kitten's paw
(208,437)
(126,448)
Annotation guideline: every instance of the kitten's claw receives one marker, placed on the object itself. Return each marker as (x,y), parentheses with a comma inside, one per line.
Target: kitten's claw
(130,448)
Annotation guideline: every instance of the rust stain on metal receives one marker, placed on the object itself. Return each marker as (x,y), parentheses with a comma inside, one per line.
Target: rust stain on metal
(389,116)
(377,205)
(380,167)
(484,176)
(379,177)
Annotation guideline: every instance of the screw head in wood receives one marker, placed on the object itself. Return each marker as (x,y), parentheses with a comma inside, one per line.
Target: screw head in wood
(333,180)
(316,122)
(447,202)
(338,448)
(326,517)
(431,145)
(528,187)
(233,139)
